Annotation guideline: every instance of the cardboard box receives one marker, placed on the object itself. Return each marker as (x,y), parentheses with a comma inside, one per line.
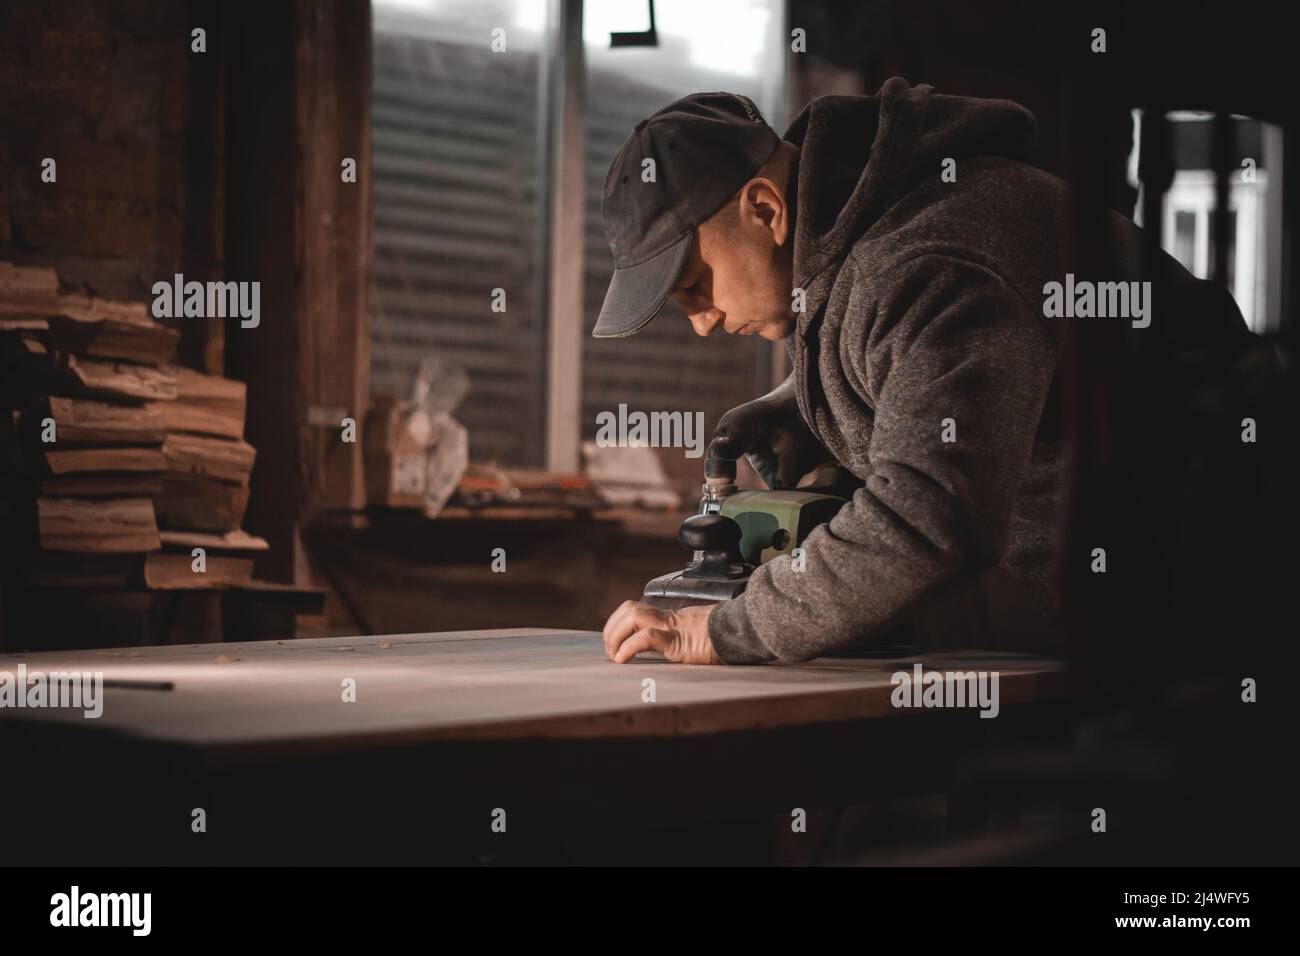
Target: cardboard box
(395,449)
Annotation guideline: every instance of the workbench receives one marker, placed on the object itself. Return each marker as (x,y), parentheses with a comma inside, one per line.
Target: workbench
(447,728)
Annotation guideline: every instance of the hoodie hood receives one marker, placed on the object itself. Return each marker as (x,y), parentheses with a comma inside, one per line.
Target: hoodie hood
(858,155)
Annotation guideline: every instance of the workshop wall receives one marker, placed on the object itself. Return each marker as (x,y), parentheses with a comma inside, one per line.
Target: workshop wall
(101,89)
(1010,50)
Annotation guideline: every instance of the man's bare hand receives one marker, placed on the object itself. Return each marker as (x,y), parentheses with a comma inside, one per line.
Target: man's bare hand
(681,636)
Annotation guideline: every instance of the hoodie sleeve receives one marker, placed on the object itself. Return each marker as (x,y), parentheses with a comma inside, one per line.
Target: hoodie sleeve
(938,338)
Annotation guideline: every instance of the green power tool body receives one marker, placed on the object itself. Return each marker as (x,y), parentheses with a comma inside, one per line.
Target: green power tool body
(734,533)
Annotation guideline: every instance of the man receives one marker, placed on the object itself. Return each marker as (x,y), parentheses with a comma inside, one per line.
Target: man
(902,249)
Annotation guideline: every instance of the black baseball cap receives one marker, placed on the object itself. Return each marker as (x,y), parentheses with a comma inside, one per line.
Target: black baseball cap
(705,147)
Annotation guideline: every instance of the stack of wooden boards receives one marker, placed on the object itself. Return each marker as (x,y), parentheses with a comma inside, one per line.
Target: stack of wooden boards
(122,470)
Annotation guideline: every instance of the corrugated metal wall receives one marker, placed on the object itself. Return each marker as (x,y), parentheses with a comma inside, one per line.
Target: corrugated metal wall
(457,214)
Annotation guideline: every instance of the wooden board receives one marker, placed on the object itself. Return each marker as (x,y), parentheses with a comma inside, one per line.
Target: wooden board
(207,404)
(27,290)
(109,336)
(284,697)
(115,458)
(237,541)
(120,380)
(123,525)
(223,459)
(198,503)
(175,572)
(23,323)
(84,420)
(84,307)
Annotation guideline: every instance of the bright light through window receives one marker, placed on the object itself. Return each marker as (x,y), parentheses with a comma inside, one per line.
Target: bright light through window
(722,37)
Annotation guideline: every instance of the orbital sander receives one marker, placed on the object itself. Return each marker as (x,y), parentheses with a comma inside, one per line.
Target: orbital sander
(735,532)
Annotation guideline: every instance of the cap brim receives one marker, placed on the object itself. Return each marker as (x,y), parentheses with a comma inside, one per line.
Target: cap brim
(637,293)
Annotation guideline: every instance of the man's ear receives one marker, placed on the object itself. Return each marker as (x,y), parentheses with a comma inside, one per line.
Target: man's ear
(762,204)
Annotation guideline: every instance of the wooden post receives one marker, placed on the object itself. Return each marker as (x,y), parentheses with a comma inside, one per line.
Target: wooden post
(333,118)
(297,95)
(203,340)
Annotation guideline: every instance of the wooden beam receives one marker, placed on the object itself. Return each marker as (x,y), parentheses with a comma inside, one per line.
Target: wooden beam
(333,100)
(261,182)
(203,340)
(297,105)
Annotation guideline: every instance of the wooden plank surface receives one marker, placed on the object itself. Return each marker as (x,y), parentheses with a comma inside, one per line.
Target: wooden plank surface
(277,697)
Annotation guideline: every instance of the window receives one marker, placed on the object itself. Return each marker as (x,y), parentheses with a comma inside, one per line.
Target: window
(1254,210)
(460,135)
(459,194)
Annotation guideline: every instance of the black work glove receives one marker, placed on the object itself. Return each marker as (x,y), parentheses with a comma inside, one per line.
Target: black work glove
(769,432)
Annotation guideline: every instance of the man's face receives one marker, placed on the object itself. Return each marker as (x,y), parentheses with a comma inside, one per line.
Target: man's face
(739,273)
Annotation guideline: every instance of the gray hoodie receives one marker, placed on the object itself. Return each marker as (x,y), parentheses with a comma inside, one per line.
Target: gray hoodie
(925,321)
